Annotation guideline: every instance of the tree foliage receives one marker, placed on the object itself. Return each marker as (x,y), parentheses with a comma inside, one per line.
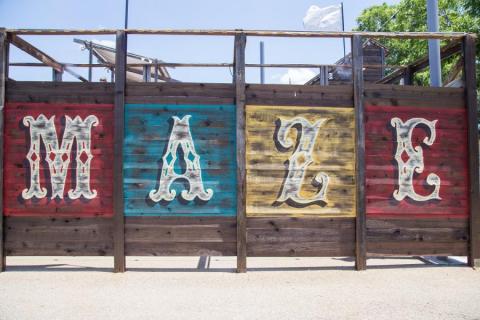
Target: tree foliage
(411,15)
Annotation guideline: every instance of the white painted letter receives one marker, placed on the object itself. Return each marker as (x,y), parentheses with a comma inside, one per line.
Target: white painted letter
(57,158)
(181,136)
(414,163)
(300,160)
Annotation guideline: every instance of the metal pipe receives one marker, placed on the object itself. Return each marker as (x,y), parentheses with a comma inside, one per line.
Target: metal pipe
(343,29)
(434,45)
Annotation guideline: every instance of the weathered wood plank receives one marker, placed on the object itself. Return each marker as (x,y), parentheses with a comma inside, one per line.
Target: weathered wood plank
(267,162)
(3,77)
(420,236)
(159,236)
(473,161)
(149,129)
(360,205)
(119,132)
(240,100)
(445,158)
(53,236)
(60,92)
(296,95)
(300,236)
(18,171)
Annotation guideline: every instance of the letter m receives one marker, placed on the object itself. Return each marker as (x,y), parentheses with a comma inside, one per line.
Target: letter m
(58,156)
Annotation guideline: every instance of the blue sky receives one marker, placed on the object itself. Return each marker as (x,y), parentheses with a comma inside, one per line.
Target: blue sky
(179,14)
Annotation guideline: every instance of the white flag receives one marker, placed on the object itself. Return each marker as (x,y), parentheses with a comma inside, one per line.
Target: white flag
(323,19)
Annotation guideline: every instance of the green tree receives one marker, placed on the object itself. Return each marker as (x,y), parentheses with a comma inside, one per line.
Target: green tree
(411,15)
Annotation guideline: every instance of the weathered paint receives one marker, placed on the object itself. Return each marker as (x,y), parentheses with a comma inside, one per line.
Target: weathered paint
(297,174)
(203,175)
(58,159)
(416,161)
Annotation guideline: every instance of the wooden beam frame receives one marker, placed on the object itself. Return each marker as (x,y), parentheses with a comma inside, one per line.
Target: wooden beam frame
(255,33)
(3,75)
(446,51)
(240,98)
(41,56)
(119,127)
(34,52)
(472,112)
(358,91)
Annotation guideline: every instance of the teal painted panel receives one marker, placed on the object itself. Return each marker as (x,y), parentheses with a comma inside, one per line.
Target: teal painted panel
(202,138)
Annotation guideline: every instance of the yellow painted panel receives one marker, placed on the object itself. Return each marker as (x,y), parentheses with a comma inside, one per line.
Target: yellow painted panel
(268,162)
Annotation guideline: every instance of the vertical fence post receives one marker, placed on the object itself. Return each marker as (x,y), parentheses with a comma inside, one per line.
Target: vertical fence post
(119,122)
(90,61)
(472,112)
(239,79)
(3,73)
(358,90)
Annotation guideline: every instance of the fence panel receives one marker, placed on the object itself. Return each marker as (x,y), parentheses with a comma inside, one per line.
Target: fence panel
(58,176)
(416,171)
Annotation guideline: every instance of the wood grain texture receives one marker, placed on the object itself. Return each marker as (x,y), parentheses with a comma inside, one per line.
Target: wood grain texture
(180,236)
(360,206)
(240,100)
(17,168)
(446,157)
(54,236)
(425,97)
(473,161)
(299,95)
(300,237)
(60,92)
(333,154)
(420,236)
(119,136)
(148,128)
(180,93)
(3,77)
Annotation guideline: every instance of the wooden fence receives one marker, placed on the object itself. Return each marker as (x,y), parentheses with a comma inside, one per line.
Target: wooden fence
(256,170)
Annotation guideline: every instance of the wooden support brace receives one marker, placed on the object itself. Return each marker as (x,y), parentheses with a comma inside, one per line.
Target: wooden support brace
(358,91)
(3,75)
(472,111)
(239,79)
(119,123)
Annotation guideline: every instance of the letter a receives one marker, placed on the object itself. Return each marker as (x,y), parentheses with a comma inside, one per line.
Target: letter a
(181,137)
(300,160)
(414,163)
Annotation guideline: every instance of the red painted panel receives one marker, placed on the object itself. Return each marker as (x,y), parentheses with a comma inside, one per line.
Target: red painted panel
(447,157)
(17,168)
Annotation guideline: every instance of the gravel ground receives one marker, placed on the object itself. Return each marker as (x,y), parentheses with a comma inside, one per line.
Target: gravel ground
(274,288)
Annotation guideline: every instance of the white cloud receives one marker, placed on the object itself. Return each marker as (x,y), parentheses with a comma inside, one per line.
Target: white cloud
(297,76)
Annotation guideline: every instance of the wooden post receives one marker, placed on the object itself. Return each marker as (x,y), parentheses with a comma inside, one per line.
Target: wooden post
(358,89)
(156,70)
(118,205)
(90,61)
(56,76)
(408,76)
(147,74)
(471,100)
(3,73)
(239,79)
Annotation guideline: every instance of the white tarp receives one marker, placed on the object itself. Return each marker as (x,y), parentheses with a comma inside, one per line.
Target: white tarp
(323,19)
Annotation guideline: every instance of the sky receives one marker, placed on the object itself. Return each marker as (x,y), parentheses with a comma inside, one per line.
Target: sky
(179,14)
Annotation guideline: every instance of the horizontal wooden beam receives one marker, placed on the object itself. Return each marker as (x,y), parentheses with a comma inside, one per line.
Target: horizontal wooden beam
(204,65)
(257,33)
